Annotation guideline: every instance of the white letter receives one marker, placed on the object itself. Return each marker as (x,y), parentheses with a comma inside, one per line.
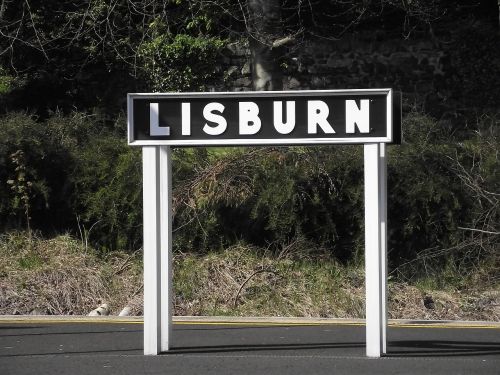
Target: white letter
(212,117)
(360,117)
(317,114)
(249,118)
(284,128)
(186,118)
(154,122)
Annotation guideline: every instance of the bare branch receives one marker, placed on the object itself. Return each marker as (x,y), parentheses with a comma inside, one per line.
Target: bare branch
(479,230)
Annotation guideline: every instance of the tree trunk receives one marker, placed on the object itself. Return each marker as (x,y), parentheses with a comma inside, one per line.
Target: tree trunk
(264,24)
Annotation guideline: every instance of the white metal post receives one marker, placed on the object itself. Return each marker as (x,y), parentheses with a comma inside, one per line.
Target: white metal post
(157,216)
(383,239)
(152,249)
(166,246)
(374,249)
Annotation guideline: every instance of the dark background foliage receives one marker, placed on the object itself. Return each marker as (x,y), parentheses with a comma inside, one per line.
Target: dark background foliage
(65,69)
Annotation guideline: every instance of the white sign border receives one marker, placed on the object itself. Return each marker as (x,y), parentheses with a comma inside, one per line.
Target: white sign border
(260,142)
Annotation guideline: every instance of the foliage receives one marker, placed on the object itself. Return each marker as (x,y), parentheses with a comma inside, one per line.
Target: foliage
(445,199)
(64,164)
(108,193)
(20,185)
(443,206)
(27,159)
(6,82)
(181,62)
(269,196)
(70,173)
(86,54)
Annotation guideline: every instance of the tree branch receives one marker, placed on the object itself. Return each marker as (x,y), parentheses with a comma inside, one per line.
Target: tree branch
(479,230)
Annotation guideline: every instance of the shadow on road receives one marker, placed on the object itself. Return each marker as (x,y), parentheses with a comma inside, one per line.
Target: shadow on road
(262,347)
(137,351)
(439,348)
(52,333)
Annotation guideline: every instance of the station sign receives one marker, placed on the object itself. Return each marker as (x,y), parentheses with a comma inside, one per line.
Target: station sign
(264,118)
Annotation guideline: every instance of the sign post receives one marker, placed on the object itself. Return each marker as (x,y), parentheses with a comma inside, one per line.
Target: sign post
(157,198)
(375,249)
(158,121)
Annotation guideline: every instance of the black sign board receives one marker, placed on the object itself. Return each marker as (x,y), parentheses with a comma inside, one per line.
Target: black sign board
(263,118)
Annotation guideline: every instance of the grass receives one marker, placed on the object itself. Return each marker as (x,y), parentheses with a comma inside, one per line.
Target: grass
(242,281)
(59,276)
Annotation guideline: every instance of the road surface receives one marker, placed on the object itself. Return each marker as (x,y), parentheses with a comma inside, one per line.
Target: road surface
(200,347)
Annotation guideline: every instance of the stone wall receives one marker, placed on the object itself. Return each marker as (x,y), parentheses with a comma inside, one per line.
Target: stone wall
(435,76)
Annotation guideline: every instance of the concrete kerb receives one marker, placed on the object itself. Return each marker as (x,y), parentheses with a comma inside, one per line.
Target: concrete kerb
(229,320)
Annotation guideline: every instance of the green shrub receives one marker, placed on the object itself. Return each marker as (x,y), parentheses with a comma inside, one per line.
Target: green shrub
(81,176)
(437,187)
(269,196)
(32,172)
(108,193)
(180,62)
(71,172)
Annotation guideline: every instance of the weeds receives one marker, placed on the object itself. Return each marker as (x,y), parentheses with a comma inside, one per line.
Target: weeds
(57,276)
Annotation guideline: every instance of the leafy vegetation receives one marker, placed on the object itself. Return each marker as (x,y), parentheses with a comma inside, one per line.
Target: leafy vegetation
(66,66)
(442,199)
(181,62)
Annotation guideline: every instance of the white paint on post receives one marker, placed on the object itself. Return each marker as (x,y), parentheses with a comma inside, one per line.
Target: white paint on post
(166,246)
(383,229)
(373,251)
(383,240)
(152,253)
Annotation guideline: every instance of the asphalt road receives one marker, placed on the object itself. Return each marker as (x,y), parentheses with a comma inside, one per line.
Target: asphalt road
(253,348)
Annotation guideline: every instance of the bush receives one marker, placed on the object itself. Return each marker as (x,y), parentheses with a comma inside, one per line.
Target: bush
(437,187)
(33,173)
(71,173)
(67,174)
(269,196)
(180,62)
(108,193)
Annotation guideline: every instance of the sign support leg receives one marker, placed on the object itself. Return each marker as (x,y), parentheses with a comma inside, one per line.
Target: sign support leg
(383,240)
(375,248)
(166,246)
(151,218)
(157,248)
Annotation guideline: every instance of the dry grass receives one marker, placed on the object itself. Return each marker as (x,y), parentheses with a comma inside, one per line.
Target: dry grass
(241,281)
(58,276)
(407,302)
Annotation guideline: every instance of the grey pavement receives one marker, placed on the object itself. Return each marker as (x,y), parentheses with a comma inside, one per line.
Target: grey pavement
(107,347)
